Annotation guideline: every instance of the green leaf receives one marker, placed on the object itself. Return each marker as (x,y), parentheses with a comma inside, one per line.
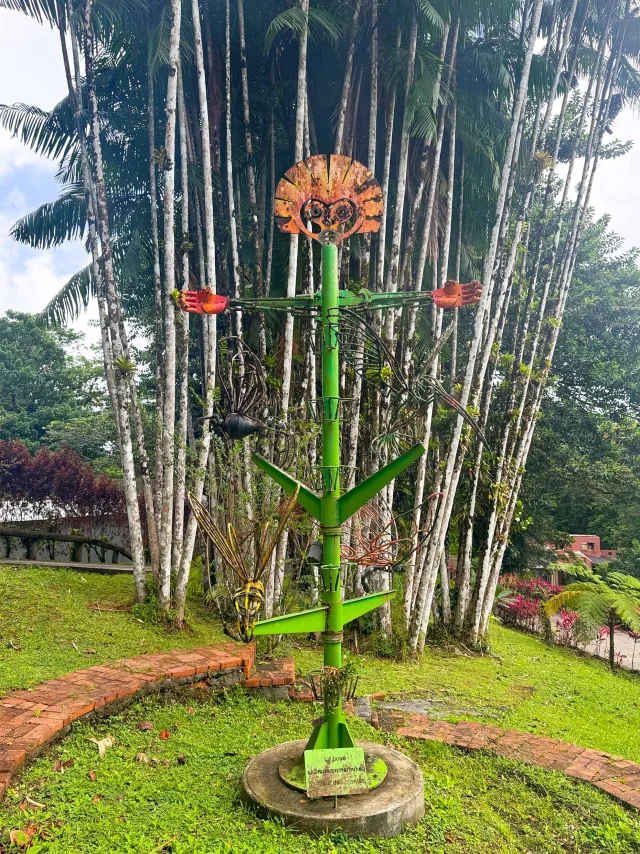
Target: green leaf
(323,25)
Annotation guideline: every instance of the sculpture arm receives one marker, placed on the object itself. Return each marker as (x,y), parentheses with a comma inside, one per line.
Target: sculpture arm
(202,302)
(452,295)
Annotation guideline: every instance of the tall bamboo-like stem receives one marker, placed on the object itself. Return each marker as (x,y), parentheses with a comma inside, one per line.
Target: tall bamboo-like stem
(157,299)
(410,569)
(446,237)
(354,425)
(74,85)
(183,342)
(428,173)
(272,174)
(386,174)
(209,326)
(233,228)
(454,335)
(209,230)
(365,260)
(346,85)
(121,369)
(168,444)
(403,164)
(455,459)
(292,273)
(251,174)
(233,233)
(496,545)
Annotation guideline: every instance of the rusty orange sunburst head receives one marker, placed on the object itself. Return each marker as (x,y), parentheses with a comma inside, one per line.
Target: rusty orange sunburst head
(337,194)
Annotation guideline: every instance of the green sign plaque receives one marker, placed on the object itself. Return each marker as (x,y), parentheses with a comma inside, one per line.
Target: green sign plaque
(339,771)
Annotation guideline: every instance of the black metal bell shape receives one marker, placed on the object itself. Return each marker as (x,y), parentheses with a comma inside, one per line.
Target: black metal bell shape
(238,426)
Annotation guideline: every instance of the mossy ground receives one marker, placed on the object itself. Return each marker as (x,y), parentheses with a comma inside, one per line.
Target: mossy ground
(475,803)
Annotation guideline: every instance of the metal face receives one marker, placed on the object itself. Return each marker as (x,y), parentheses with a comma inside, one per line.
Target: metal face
(248,601)
(339,196)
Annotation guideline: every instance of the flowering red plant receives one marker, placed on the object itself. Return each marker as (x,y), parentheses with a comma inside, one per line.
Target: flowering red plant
(565,628)
(533,588)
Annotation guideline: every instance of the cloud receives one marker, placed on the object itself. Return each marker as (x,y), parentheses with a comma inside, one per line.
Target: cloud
(39,81)
(614,186)
(29,278)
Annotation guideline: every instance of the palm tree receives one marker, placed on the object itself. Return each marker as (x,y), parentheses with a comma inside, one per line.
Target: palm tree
(453,103)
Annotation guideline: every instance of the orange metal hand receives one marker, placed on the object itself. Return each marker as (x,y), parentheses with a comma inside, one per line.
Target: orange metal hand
(454,295)
(202,302)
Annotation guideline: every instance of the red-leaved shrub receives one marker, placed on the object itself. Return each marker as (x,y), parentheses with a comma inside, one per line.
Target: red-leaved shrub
(53,484)
(532,588)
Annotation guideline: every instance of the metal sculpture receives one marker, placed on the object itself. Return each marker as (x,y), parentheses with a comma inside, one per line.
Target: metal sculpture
(385,549)
(247,573)
(243,390)
(339,197)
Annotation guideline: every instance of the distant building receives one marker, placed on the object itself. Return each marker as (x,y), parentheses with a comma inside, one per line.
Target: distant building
(584,546)
(587,546)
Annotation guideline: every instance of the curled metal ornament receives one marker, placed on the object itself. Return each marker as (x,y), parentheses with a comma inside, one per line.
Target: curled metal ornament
(247,602)
(336,195)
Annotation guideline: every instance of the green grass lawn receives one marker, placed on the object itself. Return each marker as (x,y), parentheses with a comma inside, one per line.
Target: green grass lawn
(186,800)
(524,685)
(475,803)
(44,612)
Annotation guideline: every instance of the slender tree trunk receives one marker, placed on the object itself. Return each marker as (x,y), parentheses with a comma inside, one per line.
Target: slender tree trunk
(454,334)
(233,228)
(292,276)
(121,366)
(158,325)
(519,457)
(386,174)
(183,344)
(456,453)
(209,324)
(251,175)
(346,86)
(401,187)
(168,449)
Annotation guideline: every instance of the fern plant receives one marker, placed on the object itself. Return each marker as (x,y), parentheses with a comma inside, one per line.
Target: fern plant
(598,603)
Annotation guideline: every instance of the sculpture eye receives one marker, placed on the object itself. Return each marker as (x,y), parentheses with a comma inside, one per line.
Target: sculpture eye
(313,210)
(343,210)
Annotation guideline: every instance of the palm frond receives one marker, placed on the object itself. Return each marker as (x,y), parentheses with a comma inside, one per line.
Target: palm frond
(322,25)
(54,222)
(47,133)
(433,17)
(41,10)
(568,596)
(67,303)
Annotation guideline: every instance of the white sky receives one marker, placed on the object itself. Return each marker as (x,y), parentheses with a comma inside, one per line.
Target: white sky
(31,71)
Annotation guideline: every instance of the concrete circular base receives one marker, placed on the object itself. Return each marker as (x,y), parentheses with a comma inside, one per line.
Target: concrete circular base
(385,811)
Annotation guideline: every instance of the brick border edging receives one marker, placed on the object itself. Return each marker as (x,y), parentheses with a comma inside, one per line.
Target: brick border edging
(613,774)
(33,718)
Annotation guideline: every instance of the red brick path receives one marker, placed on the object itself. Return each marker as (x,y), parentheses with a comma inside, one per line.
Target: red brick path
(619,777)
(31,718)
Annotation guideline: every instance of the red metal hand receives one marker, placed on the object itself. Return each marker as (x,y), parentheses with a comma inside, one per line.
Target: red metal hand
(454,295)
(202,302)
